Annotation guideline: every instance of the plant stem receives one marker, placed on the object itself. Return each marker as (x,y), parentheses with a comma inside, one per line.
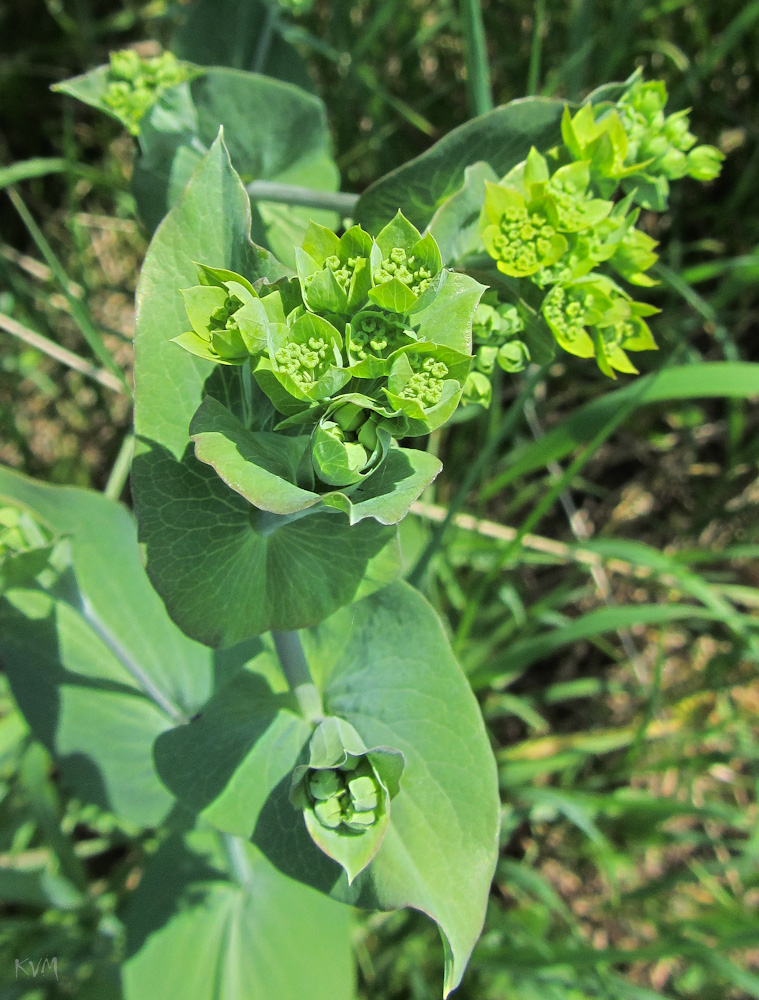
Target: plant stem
(477,68)
(533,74)
(475,470)
(295,668)
(247,394)
(291,194)
(120,471)
(237,859)
(264,41)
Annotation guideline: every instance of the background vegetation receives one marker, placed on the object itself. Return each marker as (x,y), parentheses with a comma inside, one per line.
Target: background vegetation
(605,609)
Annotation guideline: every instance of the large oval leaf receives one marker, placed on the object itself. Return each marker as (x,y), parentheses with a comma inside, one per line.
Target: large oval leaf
(223,573)
(273,130)
(232,928)
(98,667)
(229,33)
(385,666)
(501,138)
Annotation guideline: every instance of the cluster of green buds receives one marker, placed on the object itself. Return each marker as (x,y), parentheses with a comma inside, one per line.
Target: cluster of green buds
(25,547)
(637,145)
(555,220)
(352,350)
(344,793)
(345,796)
(133,84)
(496,342)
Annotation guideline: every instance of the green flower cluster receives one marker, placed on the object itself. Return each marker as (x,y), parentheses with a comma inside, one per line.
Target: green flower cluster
(557,220)
(345,351)
(348,795)
(637,146)
(496,340)
(344,793)
(133,85)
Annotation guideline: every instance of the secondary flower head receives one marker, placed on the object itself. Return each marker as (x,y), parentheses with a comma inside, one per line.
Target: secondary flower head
(344,793)
(407,266)
(521,235)
(133,84)
(638,145)
(229,321)
(594,317)
(335,272)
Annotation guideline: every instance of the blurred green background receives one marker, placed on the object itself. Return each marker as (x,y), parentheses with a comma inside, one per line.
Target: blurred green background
(627,735)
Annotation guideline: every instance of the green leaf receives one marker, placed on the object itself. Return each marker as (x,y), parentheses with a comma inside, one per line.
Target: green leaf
(389,492)
(501,138)
(447,320)
(99,669)
(262,468)
(399,232)
(344,792)
(273,130)
(411,696)
(200,536)
(394,296)
(89,88)
(455,225)
(233,928)
(228,33)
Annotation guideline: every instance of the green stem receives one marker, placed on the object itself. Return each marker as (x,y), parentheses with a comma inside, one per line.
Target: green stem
(265,40)
(246,379)
(295,668)
(120,471)
(291,194)
(477,67)
(533,74)
(474,471)
(237,859)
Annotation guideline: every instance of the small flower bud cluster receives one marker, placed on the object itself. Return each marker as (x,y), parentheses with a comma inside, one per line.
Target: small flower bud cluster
(525,241)
(346,796)
(134,84)
(558,221)
(304,363)
(426,385)
(407,269)
(339,350)
(343,270)
(376,334)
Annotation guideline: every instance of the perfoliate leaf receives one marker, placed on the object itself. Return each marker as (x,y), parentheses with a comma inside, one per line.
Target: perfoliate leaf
(97,666)
(412,697)
(231,926)
(200,536)
(501,138)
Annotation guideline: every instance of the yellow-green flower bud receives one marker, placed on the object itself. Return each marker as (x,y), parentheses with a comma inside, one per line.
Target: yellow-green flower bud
(363,792)
(325,784)
(329,813)
(705,163)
